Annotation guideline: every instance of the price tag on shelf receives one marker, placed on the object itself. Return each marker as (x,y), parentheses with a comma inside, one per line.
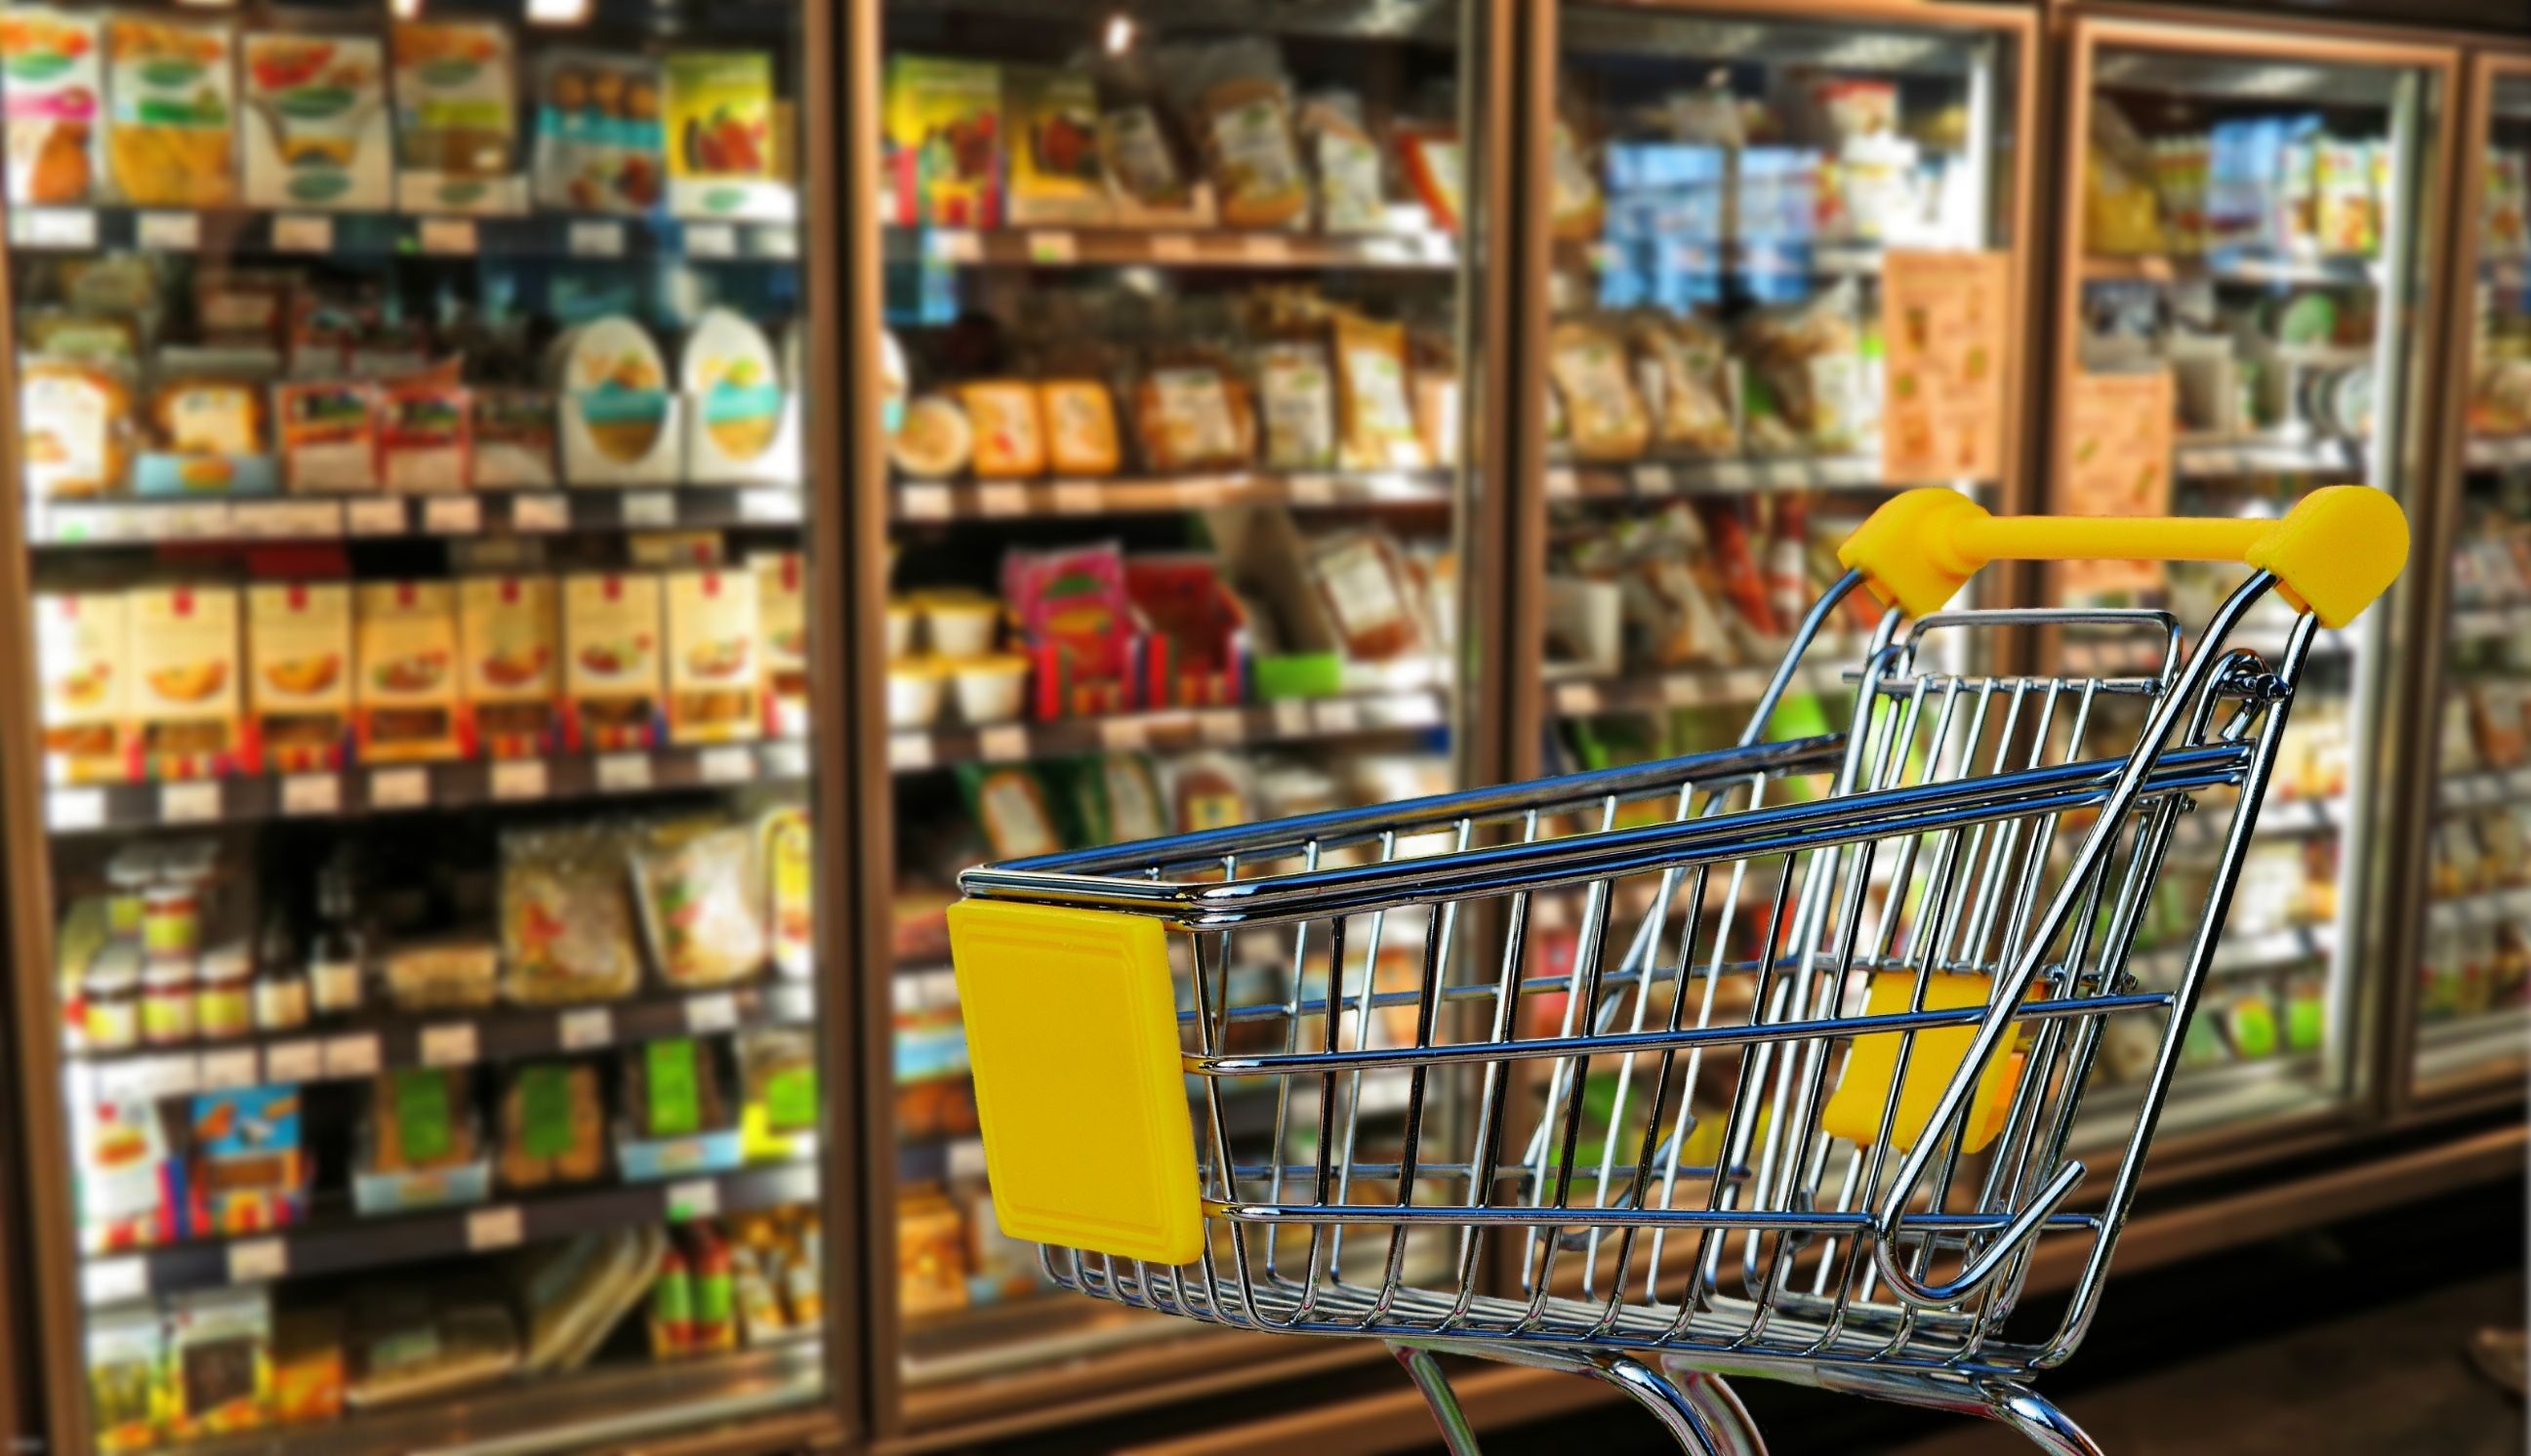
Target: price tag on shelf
(966,1158)
(228,1067)
(1002,744)
(596,239)
(193,802)
(954,246)
(374,517)
(1124,735)
(1313,491)
(288,1062)
(67,810)
(716,1011)
(1075,497)
(785,759)
(301,231)
(1265,248)
(1684,688)
(1221,726)
(540,511)
(289,519)
(450,1044)
(399,788)
(1052,247)
(623,773)
(1577,698)
(312,793)
(590,1025)
(519,778)
(649,508)
(147,1079)
(693,1199)
(58,226)
(168,232)
(1172,248)
(1560,480)
(909,753)
(1291,719)
(1652,479)
(356,1055)
(449,234)
(731,763)
(769,507)
(1336,715)
(1745,683)
(257,1261)
(711,240)
(106,1281)
(923,502)
(452,515)
(1001,499)
(503,1227)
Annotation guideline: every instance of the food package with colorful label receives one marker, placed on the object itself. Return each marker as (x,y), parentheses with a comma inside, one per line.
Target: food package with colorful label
(618,420)
(1010,428)
(509,634)
(1054,173)
(567,933)
(132,1391)
(171,130)
(1377,422)
(74,428)
(1193,413)
(1237,99)
(700,890)
(1606,418)
(782,633)
(514,439)
(207,437)
(943,164)
(745,422)
(724,157)
(552,1121)
(83,656)
(456,118)
(316,121)
(790,892)
(612,672)
(250,1167)
(421,1145)
(426,436)
(221,1346)
(184,650)
(329,435)
(53,92)
(298,687)
(715,690)
(1080,416)
(599,137)
(405,701)
(1078,625)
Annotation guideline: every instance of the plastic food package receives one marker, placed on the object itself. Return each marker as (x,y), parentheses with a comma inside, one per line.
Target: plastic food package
(599,145)
(1347,164)
(567,933)
(409,1345)
(1296,401)
(572,1294)
(790,888)
(1210,791)
(420,1119)
(425,440)
(1238,102)
(1690,364)
(54,91)
(1602,410)
(514,439)
(1009,430)
(171,87)
(457,120)
(676,1087)
(329,435)
(1054,151)
(729,373)
(778,1078)
(701,897)
(1140,164)
(130,1398)
(551,1124)
(442,972)
(943,122)
(1080,419)
(1011,803)
(1119,799)
(1806,375)
(2121,214)
(316,132)
(1192,414)
(221,1343)
(1437,166)
(308,1364)
(207,415)
(722,150)
(74,428)
(1363,582)
(1377,430)
(935,441)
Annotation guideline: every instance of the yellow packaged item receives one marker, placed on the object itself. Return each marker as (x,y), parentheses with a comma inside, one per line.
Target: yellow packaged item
(184,653)
(405,697)
(171,134)
(1079,427)
(1603,413)
(1376,424)
(714,691)
(722,147)
(512,681)
(81,647)
(611,677)
(1010,437)
(298,687)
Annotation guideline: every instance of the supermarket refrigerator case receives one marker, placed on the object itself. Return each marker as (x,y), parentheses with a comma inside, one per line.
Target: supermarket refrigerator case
(2249,247)
(420,852)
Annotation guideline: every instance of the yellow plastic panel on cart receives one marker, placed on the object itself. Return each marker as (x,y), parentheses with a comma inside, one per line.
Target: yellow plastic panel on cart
(1072,1033)
(1854,1110)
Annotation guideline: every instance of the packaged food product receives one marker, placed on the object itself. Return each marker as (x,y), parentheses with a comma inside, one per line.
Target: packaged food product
(1080,417)
(1072,611)
(1192,414)
(185,671)
(611,671)
(221,1343)
(456,118)
(777,1072)
(425,435)
(131,1401)
(409,1345)
(790,888)
(1010,433)
(509,637)
(1347,162)
(514,439)
(1363,582)
(728,372)
(600,138)
(944,142)
(1437,167)
(171,88)
(1435,380)
(249,1168)
(1376,424)
(81,656)
(1238,102)
(1119,801)
(329,435)
(714,688)
(1011,804)
(672,1306)
(1054,164)
(299,653)
(52,87)
(86,338)
(208,438)
(1690,367)
(1805,375)
(74,427)
(441,973)
(701,895)
(567,933)
(935,439)
(1147,181)
(573,1293)
(551,1125)
(615,392)
(676,1087)
(1210,791)
(1575,206)
(914,692)
(405,698)
(930,1253)
(783,636)
(722,159)
(1296,401)
(1604,416)
(308,1364)
(110,1001)
(992,689)
(316,127)
(715,1290)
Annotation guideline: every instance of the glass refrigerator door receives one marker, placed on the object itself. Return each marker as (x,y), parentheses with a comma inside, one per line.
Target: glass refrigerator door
(2468,998)
(2241,322)
(1173,351)
(1783,288)
(408,464)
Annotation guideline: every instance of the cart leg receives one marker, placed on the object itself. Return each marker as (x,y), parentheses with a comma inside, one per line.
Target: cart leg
(2036,1416)
(1699,1411)
(1423,1367)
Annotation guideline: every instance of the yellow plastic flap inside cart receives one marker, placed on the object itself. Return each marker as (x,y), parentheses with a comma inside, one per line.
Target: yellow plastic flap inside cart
(1072,1033)
(1854,1110)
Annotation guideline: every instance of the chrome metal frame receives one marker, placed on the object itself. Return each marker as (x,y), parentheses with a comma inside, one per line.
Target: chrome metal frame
(1958,785)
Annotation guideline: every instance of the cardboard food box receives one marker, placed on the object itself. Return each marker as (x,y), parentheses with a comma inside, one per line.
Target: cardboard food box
(1055,174)
(185,651)
(782,629)
(316,121)
(598,131)
(329,435)
(944,146)
(457,119)
(52,87)
(299,691)
(171,90)
(723,136)
(513,654)
(612,672)
(406,705)
(715,688)
(82,651)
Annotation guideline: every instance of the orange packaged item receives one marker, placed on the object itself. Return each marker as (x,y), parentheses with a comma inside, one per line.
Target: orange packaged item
(1192,414)
(611,677)
(1376,425)
(329,435)
(1238,102)
(1605,417)
(1079,427)
(74,429)
(1365,587)
(56,91)
(1010,435)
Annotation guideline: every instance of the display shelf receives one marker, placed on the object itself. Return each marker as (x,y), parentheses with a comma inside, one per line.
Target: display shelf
(351,1245)
(2492,907)
(1200,248)
(997,500)
(1290,720)
(357,1047)
(2238,955)
(2233,266)
(372,236)
(2214,454)
(2489,623)
(68,525)
(1697,687)
(1653,479)
(408,787)
(2496,452)
(1766,257)
(2278,819)
(2487,789)
(2205,1095)
(2483,1042)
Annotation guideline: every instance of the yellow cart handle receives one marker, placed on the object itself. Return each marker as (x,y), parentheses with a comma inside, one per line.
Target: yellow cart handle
(2339,549)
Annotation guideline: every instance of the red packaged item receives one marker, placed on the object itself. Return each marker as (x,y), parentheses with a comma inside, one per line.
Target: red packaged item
(1743,585)
(1077,625)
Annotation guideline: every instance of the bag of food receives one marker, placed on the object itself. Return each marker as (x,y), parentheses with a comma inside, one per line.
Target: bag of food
(1602,411)
(1191,412)
(1080,417)
(1363,582)
(1010,434)
(1296,401)
(700,893)
(1805,375)
(777,1079)
(1378,424)
(1347,163)
(1689,365)
(1238,102)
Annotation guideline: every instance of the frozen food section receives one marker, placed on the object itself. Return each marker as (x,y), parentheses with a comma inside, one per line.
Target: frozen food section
(413,887)
(2247,300)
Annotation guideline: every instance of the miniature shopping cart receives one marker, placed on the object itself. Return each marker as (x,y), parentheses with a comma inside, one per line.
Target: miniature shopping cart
(1763,1061)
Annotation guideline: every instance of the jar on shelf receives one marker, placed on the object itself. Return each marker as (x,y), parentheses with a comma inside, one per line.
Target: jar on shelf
(167,1002)
(128,877)
(110,1001)
(224,994)
(280,998)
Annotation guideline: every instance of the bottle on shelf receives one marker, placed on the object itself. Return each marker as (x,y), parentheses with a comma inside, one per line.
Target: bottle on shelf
(336,955)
